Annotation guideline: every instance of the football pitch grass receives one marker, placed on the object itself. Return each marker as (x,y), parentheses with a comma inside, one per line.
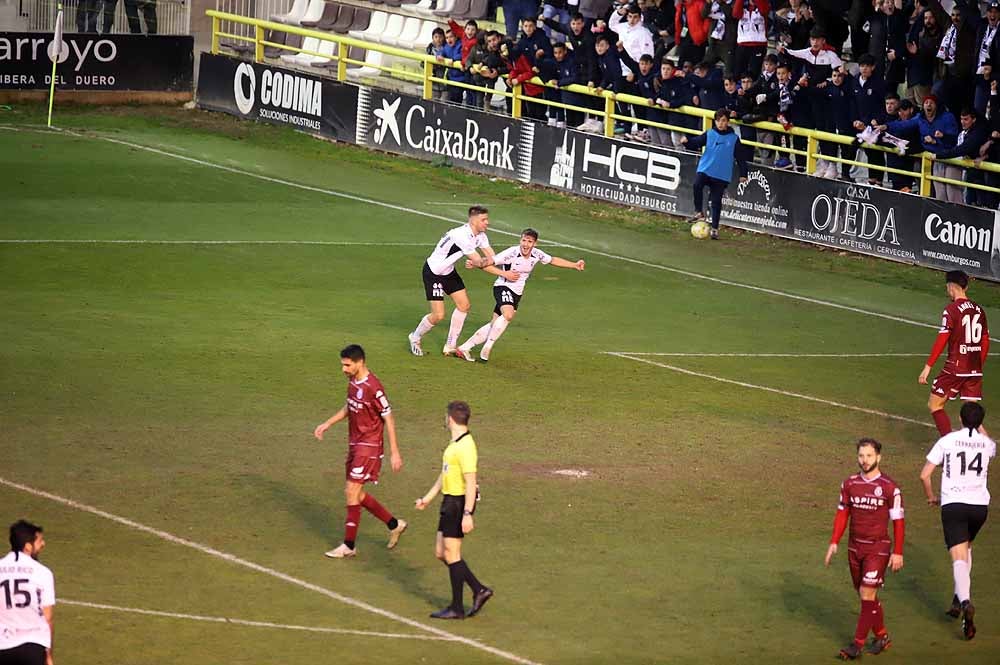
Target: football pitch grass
(175,287)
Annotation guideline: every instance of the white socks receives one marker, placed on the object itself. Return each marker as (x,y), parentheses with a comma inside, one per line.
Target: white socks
(477,338)
(423,327)
(495,331)
(963,581)
(455,329)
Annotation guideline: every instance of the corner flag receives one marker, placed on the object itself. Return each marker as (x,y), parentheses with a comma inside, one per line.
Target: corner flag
(54,51)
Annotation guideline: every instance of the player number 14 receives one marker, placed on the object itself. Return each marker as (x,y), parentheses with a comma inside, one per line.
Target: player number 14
(973,329)
(975,465)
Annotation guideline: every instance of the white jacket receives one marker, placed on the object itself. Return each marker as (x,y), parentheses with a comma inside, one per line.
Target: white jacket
(638,41)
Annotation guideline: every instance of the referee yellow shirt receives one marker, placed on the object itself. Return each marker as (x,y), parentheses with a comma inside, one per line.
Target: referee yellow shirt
(460,457)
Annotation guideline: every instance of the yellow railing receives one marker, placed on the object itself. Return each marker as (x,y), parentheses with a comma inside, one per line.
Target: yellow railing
(425,76)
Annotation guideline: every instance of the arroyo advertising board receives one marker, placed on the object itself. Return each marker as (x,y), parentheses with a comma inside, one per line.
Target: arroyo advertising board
(278,96)
(476,140)
(97,62)
(633,174)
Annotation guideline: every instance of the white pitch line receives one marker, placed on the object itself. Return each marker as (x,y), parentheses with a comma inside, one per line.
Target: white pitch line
(114,241)
(231,558)
(786,393)
(767,355)
(246,622)
(616,257)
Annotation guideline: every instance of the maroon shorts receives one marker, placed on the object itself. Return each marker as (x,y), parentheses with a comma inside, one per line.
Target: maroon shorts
(962,387)
(363,464)
(868,562)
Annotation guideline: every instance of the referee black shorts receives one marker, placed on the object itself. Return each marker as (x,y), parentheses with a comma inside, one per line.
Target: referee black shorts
(961,522)
(436,287)
(23,654)
(450,522)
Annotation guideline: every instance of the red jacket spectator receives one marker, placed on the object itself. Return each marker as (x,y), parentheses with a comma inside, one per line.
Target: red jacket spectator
(521,71)
(467,42)
(698,27)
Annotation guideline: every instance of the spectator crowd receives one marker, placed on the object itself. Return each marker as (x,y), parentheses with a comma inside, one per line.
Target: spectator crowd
(910,74)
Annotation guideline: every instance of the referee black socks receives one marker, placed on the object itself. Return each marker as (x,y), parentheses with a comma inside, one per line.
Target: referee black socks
(456,571)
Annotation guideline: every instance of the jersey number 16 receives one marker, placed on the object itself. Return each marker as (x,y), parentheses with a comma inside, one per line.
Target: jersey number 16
(973,329)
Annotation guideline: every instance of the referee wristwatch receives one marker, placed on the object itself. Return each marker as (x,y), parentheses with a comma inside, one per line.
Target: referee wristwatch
(467,512)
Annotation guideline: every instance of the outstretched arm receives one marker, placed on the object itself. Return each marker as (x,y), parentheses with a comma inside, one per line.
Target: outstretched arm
(563,263)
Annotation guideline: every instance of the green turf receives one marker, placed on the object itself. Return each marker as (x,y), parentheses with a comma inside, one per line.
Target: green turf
(177,385)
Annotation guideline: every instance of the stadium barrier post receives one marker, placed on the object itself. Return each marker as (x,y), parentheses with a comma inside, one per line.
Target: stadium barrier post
(343,52)
(609,112)
(216,26)
(925,174)
(812,149)
(706,123)
(258,43)
(515,107)
(428,84)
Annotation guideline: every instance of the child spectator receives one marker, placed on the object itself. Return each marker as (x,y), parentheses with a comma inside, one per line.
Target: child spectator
(561,71)
(470,40)
(707,80)
(643,85)
(436,49)
(533,40)
(968,143)
(521,71)
(452,50)
(937,130)
(869,95)
(676,90)
(751,35)
(607,74)
(836,98)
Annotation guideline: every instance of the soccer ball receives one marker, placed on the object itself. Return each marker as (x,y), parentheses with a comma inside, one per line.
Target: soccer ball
(700,230)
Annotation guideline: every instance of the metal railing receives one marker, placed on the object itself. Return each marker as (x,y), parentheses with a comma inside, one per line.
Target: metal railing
(173,17)
(253,31)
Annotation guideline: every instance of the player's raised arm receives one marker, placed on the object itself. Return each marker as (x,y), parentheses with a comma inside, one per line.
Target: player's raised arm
(563,263)
(334,419)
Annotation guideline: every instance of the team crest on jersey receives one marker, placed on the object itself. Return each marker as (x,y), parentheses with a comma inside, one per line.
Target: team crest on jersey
(878,490)
(361,393)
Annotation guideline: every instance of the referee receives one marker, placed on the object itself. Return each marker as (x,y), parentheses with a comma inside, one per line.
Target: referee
(458,484)
(965,499)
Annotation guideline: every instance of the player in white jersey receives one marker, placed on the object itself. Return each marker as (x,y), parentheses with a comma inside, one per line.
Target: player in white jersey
(27,595)
(441,278)
(522,259)
(965,500)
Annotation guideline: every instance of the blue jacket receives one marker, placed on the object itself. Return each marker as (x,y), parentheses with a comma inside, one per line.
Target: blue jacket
(711,93)
(454,52)
(943,122)
(607,72)
(529,45)
(870,98)
(838,109)
(721,150)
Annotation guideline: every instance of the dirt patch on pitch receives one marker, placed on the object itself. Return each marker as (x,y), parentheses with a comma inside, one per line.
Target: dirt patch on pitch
(568,472)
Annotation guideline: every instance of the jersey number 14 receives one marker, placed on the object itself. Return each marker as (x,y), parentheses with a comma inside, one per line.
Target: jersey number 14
(975,465)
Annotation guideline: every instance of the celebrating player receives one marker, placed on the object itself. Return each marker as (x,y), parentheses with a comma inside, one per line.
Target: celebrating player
(457,482)
(964,501)
(869,500)
(441,278)
(368,412)
(522,259)
(965,333)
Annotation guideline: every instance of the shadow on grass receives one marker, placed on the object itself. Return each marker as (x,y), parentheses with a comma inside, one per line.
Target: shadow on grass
(817,606)
(324,522)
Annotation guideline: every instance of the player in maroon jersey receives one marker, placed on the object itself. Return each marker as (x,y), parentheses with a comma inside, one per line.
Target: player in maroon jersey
(368,412)
(869,500)
(965,333)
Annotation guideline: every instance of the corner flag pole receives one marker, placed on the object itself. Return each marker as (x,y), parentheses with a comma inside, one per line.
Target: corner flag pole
(55,50)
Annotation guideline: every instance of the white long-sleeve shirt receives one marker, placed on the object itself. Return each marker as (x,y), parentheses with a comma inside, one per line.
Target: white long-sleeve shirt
(638,41)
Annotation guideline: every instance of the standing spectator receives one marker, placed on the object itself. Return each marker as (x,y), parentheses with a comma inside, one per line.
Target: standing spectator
(937,131)
(437,49)
(516,10)
(957,54)
(606,75)
(858,17)
(988,53)
(457,482)
(797,23)
(813,65)
(452,50)
(643,85)
(592,10)
(896,109)
(626,21)
(148,9)
(107,18)
(487,65)
(658,15)
(707,80)
(888,43)
(830,18)
(663,87)
(785,96)
(967,144)
(870,96)
(922,66)
(751,35)
(838,110)
(722,33)
(470,41)
(991,149)
(558,11)
(715,168)
(564,70)
(26,623)
(691,31)
(533,42)
(522,69)
(86,15)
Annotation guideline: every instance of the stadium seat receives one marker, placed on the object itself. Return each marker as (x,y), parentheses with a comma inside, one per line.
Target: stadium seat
(327,50)
(362,19)
(410,31)
(294,41)
(420,42)
(372,60)
(314,12)
(330,13)
(297,11)
(347,18)
(460,9)
(393,26)
(422,8)
(376,2)
(477,9)
(308,44)
(375,26)
(444,7)
(393,3)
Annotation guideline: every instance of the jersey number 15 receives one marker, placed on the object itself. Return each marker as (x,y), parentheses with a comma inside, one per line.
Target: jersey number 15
(12,591)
